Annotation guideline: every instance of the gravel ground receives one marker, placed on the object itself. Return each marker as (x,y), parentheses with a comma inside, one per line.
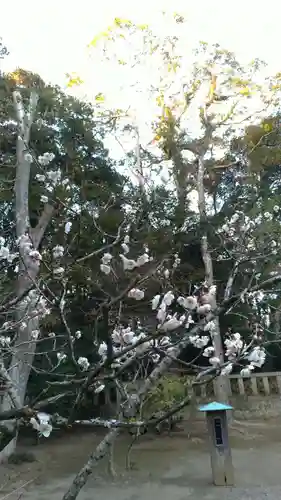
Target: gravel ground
(163,469)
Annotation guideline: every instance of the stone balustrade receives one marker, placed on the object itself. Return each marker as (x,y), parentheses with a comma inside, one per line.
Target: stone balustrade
(259,384)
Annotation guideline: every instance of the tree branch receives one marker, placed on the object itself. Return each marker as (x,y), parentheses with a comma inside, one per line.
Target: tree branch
(38,231)
(23,160)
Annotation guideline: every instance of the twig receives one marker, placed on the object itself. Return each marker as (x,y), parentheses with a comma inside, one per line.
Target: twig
(19,488)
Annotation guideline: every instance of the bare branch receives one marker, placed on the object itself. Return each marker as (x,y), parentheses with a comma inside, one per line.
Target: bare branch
(38,231)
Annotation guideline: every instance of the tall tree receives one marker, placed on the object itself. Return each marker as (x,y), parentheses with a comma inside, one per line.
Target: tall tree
(195,113)
(55,158)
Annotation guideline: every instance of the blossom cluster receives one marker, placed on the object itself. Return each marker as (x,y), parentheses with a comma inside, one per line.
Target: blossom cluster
(242,231)
(128,264)
(33,304)
(50,178)
(42,424)
(235,348)
(123,337)
(5,252)
(58,270)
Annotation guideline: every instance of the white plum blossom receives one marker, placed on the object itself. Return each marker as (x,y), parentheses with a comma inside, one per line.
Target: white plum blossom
(45,159)
(233,346)
(61,356)
(128,264)
(162,312)
(214,361)
(127,239)
(40,177)
(78,334)
(35,334)
(198,341)
(235,217)
(41,307)
(246,372)
(128,336)
(4,253)
(155,302)
(54,176)
(171,324)
(58,271)
(204,309)
(227,369)
(155,357)
(177,261)
(116,336)
(105,269)
(210,327)
(102,351)
(267,215)
(5,341)
(136,294)
(25,244)
(28,157)
(34,254)
(257,357)
(163,341)
(58,251)
(187,302)
(181,301)
(67,227)
(276,208)
(99,388)
(44,199)
(122,335)
(125,248)
(166,274)
(106,258)
(142,348)
(142,259)
(209,351)
(83,363)
(168,321)
(266,320)
(168,298)
(213,289)
(189,321)
(42,424)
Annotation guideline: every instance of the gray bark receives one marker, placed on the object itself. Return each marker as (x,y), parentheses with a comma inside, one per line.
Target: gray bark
(220,385)
(24,348)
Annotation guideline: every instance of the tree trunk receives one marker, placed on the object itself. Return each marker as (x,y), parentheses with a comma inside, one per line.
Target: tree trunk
(24,347)
(221,382)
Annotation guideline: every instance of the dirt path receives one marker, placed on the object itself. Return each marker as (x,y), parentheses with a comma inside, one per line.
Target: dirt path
(172,468)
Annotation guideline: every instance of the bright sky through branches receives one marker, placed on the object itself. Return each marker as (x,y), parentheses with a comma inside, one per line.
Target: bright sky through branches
(51,38)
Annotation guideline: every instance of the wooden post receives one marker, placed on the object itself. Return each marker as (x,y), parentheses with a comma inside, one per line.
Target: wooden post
(221,460)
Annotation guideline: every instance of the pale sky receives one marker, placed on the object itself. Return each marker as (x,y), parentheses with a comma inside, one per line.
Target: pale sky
(52,39)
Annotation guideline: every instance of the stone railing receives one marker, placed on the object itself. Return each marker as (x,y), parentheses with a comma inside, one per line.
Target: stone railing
(259,384)
(255,397)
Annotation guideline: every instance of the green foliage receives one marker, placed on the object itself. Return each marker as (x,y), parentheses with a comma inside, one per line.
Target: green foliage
(96,199)
(170,391)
